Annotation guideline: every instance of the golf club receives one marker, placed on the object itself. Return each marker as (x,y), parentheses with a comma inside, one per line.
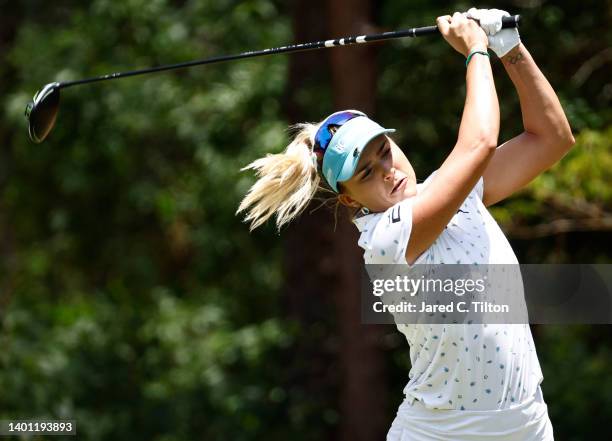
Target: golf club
(41,112)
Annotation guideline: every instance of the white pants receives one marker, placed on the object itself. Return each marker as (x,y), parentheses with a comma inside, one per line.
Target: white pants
(527,421)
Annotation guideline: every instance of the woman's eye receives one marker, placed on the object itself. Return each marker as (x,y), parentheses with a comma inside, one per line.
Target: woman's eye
(387,152)
(367,173)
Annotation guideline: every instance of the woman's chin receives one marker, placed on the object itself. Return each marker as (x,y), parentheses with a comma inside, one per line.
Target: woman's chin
(406,191)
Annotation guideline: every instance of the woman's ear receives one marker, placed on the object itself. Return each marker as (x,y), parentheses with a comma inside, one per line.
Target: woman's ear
(348,201)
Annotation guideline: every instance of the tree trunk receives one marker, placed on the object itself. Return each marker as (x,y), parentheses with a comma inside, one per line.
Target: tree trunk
(309,260)
(363,391)
(323,265)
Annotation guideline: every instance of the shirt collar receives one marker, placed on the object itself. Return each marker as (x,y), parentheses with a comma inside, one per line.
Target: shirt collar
(363,220)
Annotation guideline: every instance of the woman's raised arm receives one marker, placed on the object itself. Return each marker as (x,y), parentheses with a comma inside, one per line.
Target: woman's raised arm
(438,202)
(546,138)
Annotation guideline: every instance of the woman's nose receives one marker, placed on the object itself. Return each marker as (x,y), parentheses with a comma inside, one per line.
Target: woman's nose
(389,173)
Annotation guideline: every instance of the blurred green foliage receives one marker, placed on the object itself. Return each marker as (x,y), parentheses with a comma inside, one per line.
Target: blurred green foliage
(135,301)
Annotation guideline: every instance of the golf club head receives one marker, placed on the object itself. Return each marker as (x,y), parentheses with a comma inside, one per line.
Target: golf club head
(42,111)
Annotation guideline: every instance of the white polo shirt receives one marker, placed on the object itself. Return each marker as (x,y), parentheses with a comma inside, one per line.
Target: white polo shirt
(457,366)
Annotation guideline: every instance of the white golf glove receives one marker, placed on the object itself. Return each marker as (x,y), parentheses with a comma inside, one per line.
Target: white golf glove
(501,41)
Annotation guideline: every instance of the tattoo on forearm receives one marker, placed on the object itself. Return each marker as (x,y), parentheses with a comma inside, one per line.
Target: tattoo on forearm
(513,59)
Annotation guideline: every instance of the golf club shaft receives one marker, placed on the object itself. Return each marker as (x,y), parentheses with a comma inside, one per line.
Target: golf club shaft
(507,22)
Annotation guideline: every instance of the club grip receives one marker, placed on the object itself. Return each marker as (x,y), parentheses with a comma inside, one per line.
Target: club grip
(511,21)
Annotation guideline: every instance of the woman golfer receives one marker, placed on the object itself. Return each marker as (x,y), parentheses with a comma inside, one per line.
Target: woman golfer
(467,381)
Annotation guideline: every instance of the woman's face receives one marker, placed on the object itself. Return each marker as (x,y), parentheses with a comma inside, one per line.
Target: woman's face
(383,177)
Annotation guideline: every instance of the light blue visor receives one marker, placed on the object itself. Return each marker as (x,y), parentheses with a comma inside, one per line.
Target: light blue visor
(345,148)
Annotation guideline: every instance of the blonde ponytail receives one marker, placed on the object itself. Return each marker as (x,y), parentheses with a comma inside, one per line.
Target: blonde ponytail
(286,181)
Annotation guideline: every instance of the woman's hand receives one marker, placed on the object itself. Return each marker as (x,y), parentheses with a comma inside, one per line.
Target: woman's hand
(501,41)
(462,34)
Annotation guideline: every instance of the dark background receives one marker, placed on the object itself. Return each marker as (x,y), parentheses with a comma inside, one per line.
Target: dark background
(134,301)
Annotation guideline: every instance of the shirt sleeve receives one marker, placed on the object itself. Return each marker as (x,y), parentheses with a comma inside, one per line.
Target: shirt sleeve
(480,188)
(391,234)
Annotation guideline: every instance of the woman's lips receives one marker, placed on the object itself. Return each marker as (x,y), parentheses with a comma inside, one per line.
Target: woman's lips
(399,185)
